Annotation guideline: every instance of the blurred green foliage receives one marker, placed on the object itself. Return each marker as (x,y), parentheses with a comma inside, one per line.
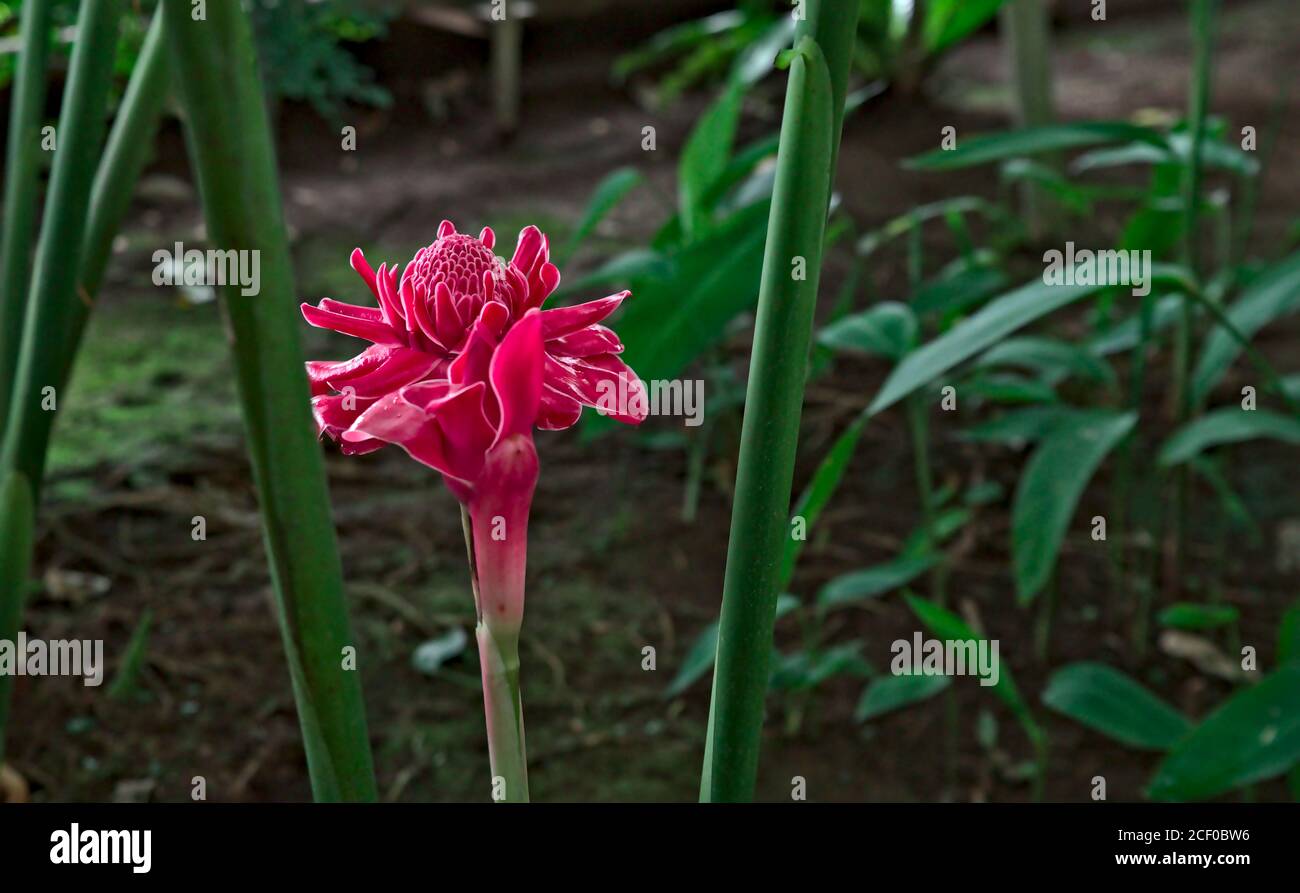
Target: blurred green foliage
(302,45)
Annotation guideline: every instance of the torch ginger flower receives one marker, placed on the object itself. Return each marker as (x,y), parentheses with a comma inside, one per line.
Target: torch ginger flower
(463,364)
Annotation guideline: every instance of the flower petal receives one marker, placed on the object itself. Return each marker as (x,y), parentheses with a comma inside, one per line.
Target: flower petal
(604,382)
(321,374)
(557,411)
(560,321)
(516,375)
(585,343)
(402,367)
(527,249)
(348,319)
(364,270)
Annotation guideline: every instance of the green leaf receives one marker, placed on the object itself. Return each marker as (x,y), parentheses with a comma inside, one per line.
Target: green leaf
(1233,505)
(1288,636)
(825,481)
(1127,333)
(1227,425)
(127,677)
(857,586)
(888,330)
(803,671)
(1185,615)
(946,525)
(671,321)
(1022,426)
(889,693)
(1056,359)
(993,322)
(1050,488)
(758,59)
(1034,141)
(948,22)
(963,288)
(609,192)
(633,266)
(944,624)
(1007,387)
(705,157)
(1254,735)
(1108,701)
(672,41)
(1272,295)
(905,223)
(705,648)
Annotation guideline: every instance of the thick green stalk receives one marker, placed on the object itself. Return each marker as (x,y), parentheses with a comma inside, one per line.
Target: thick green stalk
(769,436)
(22,170)
(1026,28)
(16,521)
(53,294)
(118,171)
(130,143)
(233,158)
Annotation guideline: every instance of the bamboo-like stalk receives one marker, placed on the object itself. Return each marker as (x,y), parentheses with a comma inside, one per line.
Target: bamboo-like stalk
(234,162)
(16,521)
(130,143)
(810,133)
(118,170)
(1026,27)
(22,167)
(54,274)
(53,289)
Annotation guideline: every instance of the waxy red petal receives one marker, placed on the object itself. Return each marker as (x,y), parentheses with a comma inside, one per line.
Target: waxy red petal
(516,375)
(560,321)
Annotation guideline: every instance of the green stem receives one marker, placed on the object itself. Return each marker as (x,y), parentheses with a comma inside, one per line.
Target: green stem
(1203,39)
(810,133)
(499,659)
(1027,30)
(130,143)
(124,156)
(233,159)
(22,178)
(1043,626)
(54,274)
(919,429)
(16,521)
(1123,526)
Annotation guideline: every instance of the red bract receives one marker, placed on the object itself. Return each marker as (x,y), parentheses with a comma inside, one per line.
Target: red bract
(463,364)
(428,318)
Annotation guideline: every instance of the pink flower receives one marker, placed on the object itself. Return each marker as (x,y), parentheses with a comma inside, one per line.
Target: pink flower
(456,299)
(463,364)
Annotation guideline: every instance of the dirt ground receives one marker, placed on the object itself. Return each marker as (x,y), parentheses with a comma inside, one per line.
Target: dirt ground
(150,438)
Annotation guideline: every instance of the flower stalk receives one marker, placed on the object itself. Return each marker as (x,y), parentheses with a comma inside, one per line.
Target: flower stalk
(496,525)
